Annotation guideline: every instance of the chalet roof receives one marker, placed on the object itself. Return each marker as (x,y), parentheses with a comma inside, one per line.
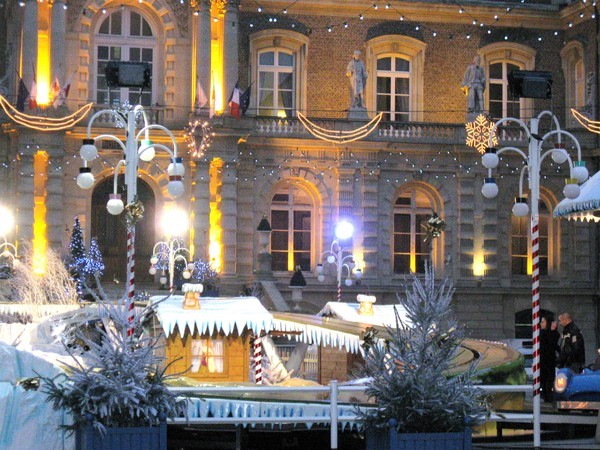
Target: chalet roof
(382,314)
(218,314)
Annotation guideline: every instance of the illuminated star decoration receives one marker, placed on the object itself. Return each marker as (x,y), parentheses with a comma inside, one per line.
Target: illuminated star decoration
(197,146)
(478,133)
(434,227)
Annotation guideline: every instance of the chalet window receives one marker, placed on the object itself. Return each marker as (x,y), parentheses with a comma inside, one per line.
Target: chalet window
(124,35)
(208,353)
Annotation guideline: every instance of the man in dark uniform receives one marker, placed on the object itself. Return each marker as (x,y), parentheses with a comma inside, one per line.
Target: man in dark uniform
(572,349)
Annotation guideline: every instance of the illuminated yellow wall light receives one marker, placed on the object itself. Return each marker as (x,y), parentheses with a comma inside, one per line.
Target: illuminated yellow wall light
(215,245)
(478,265)
(216,56)
(40,242)
(43,57)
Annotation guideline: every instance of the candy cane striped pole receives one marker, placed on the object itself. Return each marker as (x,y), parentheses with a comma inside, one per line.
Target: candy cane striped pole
(535,310)
(130,276)
(258,360)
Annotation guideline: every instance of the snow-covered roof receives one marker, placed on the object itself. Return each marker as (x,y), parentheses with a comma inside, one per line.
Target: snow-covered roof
(586,202)
(217,314)
(382,314)
(229,314)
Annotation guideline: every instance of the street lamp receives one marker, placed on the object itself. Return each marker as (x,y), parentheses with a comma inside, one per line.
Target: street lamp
(164,256)
(137,146)
(166,253)
(533,160)
(8,251)
(343,230)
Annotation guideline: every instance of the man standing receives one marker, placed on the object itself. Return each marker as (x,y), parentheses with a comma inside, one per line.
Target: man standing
(357,73)
(474,82)
(572,349)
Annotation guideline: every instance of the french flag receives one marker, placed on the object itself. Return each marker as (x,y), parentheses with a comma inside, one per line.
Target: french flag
(234,103)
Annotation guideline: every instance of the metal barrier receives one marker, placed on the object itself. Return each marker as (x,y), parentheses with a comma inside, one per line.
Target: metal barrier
(333,419)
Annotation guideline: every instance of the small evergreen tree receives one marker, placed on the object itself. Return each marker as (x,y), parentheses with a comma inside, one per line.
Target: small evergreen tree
(78,256)
(94,263)
(413,377)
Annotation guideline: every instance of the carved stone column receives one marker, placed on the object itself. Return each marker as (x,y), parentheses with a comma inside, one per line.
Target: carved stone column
(230,46)
(203,45)
(58,41)
(30,41)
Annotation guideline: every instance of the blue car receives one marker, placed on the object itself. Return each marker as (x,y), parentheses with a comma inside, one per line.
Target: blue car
(577,391)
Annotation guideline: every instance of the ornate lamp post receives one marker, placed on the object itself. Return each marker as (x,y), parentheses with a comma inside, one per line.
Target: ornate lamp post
(533,160)
(137,146)
(167,252)
(343,230)
(8,251)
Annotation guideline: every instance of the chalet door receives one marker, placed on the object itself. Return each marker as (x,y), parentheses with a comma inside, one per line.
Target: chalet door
(111,232)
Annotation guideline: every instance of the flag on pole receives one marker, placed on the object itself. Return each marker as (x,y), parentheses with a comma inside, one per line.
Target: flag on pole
(55,89)
(211,112)
(64,92)
(33,91)
(33,95)
(234,103)
(22,95)
(201,98)
(245,99)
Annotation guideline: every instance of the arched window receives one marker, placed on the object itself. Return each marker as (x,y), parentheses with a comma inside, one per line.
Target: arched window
(124,35)
(521,257)
(576,91)
(412,209)
(278,59)
(499,60)
(276,71)
(291,228)
(397,89)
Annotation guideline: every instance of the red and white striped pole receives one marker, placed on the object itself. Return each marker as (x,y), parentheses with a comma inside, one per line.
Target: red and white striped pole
(130,276)
(535,312)
(258,360)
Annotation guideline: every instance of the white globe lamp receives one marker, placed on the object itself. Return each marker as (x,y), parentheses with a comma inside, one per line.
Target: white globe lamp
(88,150)
(520,208)
(85,179)
(176,167)
(490,158)
(344,230)
(579,171)
(175,186)
(489,188)
(571,189)
(559,154)
(146,151)
(152,270)
(115,205)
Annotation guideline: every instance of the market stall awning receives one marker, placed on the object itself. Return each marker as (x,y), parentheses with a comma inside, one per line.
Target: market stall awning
(586,206)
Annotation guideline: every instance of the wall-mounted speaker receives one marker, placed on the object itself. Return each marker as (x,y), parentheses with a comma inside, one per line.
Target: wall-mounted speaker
(128,74)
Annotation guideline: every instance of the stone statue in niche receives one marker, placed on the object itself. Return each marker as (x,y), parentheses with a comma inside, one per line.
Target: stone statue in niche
(357,74)
(473,85)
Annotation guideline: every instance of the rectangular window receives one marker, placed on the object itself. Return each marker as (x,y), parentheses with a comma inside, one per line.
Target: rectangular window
(208,355)
(393,88)
(276,83)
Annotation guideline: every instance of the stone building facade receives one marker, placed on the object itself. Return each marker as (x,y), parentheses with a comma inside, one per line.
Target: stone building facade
(293,58)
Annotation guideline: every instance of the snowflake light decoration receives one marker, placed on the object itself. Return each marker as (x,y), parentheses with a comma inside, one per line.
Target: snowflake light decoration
(197,146)
(478,133)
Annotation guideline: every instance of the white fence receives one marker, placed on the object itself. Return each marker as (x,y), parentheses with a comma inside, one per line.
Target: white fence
(231,408)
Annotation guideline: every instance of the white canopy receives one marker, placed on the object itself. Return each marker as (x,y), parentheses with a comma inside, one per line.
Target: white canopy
(583,206)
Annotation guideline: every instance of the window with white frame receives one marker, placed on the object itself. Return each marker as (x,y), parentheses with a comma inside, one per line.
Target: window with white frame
(576,88)
(208,355)
(276,72)
(393,88)
(124,35)
(278,61)
(499,60)
(397,89)
(521,257)
(412,209)
(291,228)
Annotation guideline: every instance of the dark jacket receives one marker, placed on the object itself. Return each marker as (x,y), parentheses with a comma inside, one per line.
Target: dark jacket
(572,349)
(549,348)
